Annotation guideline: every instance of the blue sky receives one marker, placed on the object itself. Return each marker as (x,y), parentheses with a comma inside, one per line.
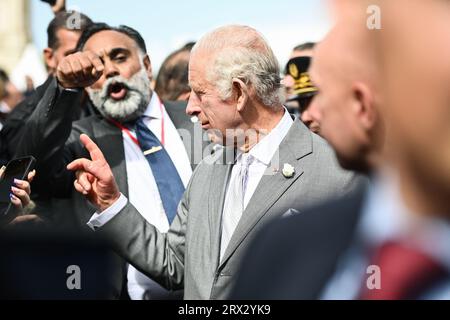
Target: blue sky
(167,25)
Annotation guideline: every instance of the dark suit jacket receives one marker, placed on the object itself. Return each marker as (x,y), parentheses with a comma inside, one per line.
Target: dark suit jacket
(52,139)
(295,257)
(14,125)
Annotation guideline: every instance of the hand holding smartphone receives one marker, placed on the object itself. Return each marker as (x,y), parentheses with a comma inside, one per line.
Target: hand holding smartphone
(15,169)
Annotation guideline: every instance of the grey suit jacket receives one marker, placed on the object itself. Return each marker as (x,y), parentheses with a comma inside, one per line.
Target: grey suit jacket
(188,255)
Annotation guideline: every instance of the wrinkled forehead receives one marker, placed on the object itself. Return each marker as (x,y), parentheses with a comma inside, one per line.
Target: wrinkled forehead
(199,62)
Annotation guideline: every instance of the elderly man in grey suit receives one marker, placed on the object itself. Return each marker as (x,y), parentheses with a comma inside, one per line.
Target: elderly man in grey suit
(269,163)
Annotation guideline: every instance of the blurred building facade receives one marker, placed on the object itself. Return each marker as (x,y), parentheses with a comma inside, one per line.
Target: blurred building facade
(18,55)
(14,31)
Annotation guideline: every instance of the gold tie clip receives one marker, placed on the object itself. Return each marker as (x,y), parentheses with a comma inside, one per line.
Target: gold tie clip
(152,150)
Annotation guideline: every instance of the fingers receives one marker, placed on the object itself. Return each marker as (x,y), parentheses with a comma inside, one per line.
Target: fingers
(84,179)
(24,185)
(92,65)
(25,219)
(64,73)
(95,61)
(79,164)
(31,176)
(16,201)
(80,188)
(77,69)
(80,69)
(2,171)
(95,153)
(20,198)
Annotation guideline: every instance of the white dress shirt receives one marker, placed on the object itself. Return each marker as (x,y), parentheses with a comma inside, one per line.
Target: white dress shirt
(384,218)
(143,190)
(259,160)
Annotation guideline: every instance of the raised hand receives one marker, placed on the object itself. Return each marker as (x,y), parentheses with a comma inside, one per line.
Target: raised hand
(59,6)
(79,70)
(94,177)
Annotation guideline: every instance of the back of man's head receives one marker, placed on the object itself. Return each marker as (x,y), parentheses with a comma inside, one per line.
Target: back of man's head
(172,81)
(62,36)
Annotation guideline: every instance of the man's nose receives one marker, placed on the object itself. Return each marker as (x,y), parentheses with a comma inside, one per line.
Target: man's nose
(313,111)
(306,117)
(192,107)
(111,70)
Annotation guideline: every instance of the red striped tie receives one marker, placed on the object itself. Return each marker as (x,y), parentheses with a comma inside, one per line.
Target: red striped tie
(405,273)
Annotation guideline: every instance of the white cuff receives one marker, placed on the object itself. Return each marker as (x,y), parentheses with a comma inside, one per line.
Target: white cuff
(98,220)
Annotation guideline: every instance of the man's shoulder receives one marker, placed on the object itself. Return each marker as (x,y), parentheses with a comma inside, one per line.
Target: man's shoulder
(175,105)
(206,167)
(176,109)
(346,207)
(322,222)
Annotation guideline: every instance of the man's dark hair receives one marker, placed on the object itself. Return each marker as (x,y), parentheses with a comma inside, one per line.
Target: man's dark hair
(172,79)
(305,46)
(188,46)
(97,27)
(69,20)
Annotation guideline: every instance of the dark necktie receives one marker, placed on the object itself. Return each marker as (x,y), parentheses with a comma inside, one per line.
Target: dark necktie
(406,273)
(166,175)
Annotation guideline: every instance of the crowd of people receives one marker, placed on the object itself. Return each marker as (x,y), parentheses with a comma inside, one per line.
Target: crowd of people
(229,177)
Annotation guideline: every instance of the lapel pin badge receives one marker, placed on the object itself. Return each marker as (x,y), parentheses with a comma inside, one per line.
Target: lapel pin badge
(194,119)
(152,150)
(288,170)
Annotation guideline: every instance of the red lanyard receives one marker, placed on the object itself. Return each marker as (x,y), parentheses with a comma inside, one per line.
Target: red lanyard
(133,138)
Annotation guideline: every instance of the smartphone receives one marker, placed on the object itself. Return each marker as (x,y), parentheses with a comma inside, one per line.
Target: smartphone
(15,169)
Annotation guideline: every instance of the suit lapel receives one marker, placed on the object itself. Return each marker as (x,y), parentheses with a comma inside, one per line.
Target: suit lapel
(296,145)
(110,141)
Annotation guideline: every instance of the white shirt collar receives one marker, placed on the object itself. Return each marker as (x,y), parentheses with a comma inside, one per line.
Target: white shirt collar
(265,149)
(385,217)
(153,110)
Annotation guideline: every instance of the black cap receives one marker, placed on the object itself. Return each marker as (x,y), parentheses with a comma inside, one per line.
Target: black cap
(297,68)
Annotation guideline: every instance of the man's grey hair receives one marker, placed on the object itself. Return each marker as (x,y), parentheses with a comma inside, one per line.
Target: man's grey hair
(242,52)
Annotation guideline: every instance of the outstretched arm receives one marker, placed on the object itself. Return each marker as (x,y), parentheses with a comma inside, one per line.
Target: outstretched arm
(158,255)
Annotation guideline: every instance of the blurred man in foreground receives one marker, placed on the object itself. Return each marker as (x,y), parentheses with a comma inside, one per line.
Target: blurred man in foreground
(393,241)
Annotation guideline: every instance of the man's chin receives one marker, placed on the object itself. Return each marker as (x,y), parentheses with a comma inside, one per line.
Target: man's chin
(357,164)
(118,113)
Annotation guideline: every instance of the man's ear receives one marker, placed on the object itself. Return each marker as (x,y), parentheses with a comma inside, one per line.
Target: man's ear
(240,93)
(49,59)
(148,67)
(364,105)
